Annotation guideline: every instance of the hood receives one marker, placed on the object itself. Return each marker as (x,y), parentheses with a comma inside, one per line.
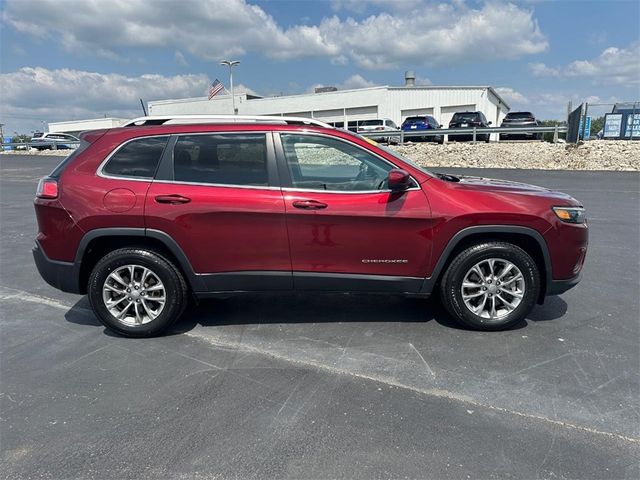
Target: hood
(494,185)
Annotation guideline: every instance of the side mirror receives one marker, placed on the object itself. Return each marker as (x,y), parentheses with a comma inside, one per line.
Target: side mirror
(398,180)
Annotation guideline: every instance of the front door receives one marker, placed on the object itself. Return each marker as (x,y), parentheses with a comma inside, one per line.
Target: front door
(347,231)
(220,201)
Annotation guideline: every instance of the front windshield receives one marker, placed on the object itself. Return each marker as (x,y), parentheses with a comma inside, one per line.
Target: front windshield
(391,152)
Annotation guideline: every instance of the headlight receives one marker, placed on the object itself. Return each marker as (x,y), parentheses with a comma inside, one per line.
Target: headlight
(570,214)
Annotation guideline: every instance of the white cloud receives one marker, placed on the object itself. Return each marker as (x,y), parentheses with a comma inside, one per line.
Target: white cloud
(450,33)
(542,70)
(354,81)
(512,96)
(180,58)
(209,29)
(212,29)
(614,66)
(31,95)
(243,89)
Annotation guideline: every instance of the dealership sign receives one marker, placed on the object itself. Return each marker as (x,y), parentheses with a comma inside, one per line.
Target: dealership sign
(586,132)
(632,125)
(612,125)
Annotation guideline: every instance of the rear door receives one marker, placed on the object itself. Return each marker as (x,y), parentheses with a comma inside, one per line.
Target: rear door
(217,196)
(346,230)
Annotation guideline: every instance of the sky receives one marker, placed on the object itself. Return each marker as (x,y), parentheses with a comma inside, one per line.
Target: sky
(78,59)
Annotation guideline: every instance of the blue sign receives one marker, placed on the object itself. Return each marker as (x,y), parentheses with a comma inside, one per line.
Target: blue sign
(633,124)
(586,133)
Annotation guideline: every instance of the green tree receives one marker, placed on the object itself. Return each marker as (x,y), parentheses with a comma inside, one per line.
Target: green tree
(22,138)
(597,124)
(548,137)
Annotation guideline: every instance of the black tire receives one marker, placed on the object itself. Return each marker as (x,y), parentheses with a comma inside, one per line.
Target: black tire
(451,284)
(175,287)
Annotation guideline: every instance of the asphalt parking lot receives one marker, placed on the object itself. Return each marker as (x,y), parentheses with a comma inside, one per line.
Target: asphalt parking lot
(326,386)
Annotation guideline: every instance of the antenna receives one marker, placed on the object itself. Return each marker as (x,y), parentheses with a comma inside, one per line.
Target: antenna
(144,110)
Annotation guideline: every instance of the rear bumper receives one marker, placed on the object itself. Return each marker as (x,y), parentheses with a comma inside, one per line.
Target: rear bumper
(428,138)
(468,136)
(61,275)
(556,287)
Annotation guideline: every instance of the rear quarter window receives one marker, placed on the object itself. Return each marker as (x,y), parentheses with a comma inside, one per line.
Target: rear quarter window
(137,158)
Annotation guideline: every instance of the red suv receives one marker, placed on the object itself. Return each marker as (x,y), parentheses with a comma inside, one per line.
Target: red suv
(146,216)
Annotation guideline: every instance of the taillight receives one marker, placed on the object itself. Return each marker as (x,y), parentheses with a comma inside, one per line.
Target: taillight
(47,188)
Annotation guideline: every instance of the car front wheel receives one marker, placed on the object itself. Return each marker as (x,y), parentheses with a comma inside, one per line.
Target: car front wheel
(491,286)
(137,292)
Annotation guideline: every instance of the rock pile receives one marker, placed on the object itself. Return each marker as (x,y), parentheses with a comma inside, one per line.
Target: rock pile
(591,155)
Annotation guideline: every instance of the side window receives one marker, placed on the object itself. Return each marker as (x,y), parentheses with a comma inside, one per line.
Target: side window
(321,163)
(238,159)
(139,158)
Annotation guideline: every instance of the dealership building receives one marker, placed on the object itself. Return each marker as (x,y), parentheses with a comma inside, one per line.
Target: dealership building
(338,107)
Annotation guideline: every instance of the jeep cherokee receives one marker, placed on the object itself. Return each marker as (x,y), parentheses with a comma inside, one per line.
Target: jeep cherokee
(146,216)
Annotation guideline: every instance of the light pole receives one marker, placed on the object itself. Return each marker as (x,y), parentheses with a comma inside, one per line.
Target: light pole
(231,64)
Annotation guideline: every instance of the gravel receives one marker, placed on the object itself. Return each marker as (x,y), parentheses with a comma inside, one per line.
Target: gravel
(592,155)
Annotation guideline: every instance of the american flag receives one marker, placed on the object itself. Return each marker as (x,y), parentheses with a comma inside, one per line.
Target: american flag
(215,88)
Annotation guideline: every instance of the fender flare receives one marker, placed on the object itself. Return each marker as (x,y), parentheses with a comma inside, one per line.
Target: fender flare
(429,282)
(195,281)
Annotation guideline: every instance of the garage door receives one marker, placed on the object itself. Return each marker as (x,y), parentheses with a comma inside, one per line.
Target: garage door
(414,112)
(447,112)
(362,113)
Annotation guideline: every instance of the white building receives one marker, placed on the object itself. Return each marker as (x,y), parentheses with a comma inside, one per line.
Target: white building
(76,126)
(395,103)
(338,107)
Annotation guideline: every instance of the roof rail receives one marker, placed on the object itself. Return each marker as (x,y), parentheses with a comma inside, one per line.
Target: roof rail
(190,119)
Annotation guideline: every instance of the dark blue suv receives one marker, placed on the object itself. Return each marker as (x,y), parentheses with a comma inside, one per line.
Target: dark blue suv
(421,123)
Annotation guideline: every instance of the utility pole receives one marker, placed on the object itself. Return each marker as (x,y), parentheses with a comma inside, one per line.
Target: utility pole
(231,64)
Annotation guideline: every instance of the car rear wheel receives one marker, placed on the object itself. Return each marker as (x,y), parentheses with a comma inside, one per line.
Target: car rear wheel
(137,292)
(491,286)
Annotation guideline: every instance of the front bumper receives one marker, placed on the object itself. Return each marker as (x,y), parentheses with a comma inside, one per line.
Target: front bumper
(556,287)
(61,275)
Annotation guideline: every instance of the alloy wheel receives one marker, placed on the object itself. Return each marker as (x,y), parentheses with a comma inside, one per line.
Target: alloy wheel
(493,288)
(134,295)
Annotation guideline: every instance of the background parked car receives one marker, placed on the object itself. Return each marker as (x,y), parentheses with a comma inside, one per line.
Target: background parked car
(378,125)
(469,120)
(49,141)
(520,119)
(421,123)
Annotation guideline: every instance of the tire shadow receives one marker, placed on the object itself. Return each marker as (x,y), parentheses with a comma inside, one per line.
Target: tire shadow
(319,308)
